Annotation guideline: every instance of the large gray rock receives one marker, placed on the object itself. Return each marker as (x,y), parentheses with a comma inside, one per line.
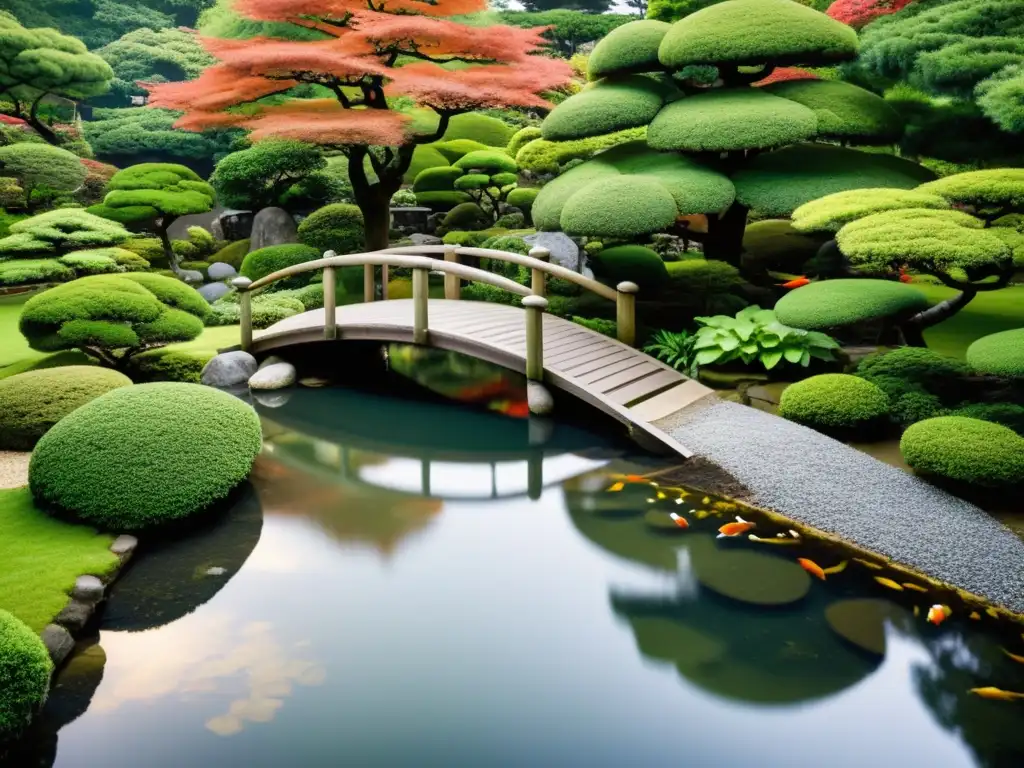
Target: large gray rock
(418,238)
(221,271)
(228,369)
(272,399)
(539,399)
(564,250)
(191,276)
(272,226)
(124,545)
(411,217)
(276,376)
(58,642)
(213,291)
(235,225)
(217,229)
(88,589)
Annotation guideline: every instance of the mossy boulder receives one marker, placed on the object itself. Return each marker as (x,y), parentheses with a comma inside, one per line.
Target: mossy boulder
(32,402)
(965,451)
(25,670)
(140,456)
(1000,354)
(835,403)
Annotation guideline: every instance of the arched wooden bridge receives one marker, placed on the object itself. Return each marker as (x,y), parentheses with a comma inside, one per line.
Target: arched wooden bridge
(609,374)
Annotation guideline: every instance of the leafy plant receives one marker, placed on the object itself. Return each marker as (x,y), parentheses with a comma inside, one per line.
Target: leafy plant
(675,349)
(755,335)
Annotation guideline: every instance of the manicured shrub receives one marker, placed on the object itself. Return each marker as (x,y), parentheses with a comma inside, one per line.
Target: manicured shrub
(437,179)
(633,263)
(521,138)
(510,221)
(442,201)
(490,161)
(32,402)
(337,227)
(835,303)
(423,157)
(25,670)
(522,198)
(456,148)
(1000,354)
(485,129)
(25,271)
(830,213)
(620,207)
(633,47)
(507,243)
(60,231)
(258,176)
(543,156)
(843,112)
(914,406)
(169,364)
(964,450)
(941,375)
(266,308)
(232,253)
(41,169)
(835,403)
(609,105)
(773,244)
(1008,414)
(203,240)
(263,262)
(466,216)
(145,455)
(468,239)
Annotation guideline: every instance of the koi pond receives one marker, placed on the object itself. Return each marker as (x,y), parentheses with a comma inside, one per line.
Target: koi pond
(408,581)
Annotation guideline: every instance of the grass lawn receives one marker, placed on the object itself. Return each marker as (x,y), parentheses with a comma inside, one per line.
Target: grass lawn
(13,347)
(42,557)
(988,313)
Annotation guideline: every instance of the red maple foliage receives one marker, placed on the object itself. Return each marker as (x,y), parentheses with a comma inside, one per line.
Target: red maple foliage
(782,74)
(857,13)
(372,52)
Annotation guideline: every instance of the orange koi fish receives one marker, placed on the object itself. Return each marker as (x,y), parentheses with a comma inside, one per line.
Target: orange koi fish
(679,520)
(938,614)
(1014,656)
(996,694)
(812,568)
(913,587)
(738,528)
(888,583)
(798,282)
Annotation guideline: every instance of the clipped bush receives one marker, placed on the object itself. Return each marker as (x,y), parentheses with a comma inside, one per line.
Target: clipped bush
(1000,354)
(442,201)
(25,670)
(919,367)
(635,263)
(523,197)
(203,240)
(141,456)
(964,450)
(1008,414)
(521,138)
(437,179)
(510,221)
(466,216)
(41,168)
(491,161)
(61,231)
(337,227)
(481,128)
(835,403)
(633,47)
(468,239)
(232,253)
(835,303)
(610,105)
(619,207)
(169,364)
(26,271)
(263,262)
(507,243)
(266,308)
(456,148)
(774,244)
(260,175)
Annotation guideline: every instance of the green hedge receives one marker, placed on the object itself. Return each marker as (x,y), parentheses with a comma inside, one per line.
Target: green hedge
(490,161)
(1001,354)
(32,402)
(337,227)
(835,303)
(964,450)
(25,670)
(468,239)
(265,261)
(843,111)
(456,148)
(437,179)
(835,403)
(145,455)
(634,263)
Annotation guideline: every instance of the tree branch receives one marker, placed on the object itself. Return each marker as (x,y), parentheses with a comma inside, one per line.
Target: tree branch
(442,128)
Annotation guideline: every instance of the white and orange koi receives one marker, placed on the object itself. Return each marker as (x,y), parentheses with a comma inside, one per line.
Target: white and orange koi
(938,614)
(679,520)
(730,530)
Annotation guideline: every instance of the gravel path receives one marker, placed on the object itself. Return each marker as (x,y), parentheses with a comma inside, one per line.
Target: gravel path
(823,483)
(14,468)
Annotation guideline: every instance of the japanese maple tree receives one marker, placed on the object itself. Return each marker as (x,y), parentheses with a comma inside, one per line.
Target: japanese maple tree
(857,13)
(375,57)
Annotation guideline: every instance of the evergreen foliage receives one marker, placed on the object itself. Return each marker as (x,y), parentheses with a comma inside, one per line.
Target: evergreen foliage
(634,263)
(630,48)
(337,227)
(61,231)
(835,403)
(844,112)
(261,175)
(836,303)
(25,668)
(607,106)
(41,170)
(966,451)
(263,262)
(150,56)
(830,213)
(1000,354)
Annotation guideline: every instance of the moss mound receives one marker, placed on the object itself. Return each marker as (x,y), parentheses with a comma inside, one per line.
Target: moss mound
(32,402)
(844,112)
(633,47)
(610,105)
(477,127)
(964,450)
(832,212)
(621,207)
(145,455)
(835,402)
(466,216)
(436,179)
(730,120)
(523,197)
(265,261)
(25,669)
(751,32)
(232,253)
(1001,354)
(456,148)
(835,303)
(1008,414)
(337,227)
(489,160)
(634,263)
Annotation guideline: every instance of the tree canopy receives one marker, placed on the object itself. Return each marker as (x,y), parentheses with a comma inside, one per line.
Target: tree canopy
(259,176)
(61,231)
(35,63)
(40,169)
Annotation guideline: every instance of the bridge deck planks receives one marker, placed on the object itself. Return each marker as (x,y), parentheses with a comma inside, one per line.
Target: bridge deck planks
(623,382)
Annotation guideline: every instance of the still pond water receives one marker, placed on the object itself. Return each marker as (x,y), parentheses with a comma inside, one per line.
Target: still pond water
(414,583)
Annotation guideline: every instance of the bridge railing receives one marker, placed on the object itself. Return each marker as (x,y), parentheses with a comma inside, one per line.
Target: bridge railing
(538,262)
(421,267)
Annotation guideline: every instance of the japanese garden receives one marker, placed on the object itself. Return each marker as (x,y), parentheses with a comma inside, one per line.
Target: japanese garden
(511,383)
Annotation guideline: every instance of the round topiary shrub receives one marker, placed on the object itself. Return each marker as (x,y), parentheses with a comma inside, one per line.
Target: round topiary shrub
(1008,414)
(140,456)
(25,670)
(921,368)
(1001,354)
(265,261)
(523,197)
(337,227)
(835,303)
(634,263)
(835,403)
(32,402)
(965,451)
(466,216)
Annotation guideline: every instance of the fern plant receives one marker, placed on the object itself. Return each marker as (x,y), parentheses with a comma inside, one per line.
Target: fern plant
(674,349)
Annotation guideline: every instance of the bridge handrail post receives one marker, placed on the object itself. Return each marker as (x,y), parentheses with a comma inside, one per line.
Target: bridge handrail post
(330,301)
(452,283)
(625,312)
(241,284)
(420,296)
(538,277)
(535,306)
(369,283)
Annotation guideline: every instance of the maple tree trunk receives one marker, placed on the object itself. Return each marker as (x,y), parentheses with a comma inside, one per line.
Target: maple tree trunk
(724,240)
(165,240)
